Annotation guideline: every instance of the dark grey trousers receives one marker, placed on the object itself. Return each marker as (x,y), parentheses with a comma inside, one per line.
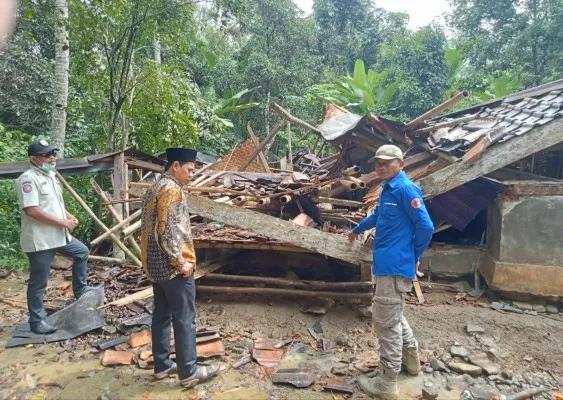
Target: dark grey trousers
(174,301)
(39,267)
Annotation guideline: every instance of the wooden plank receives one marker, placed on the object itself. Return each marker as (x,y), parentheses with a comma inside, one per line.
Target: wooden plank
(418,291)
(134,163)
(261,146)
(329,244)
(529,188)
(261,155)
(247,245)
(508,174)
(498,156)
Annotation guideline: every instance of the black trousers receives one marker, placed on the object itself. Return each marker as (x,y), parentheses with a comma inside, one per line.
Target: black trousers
(39,267)
(174,301)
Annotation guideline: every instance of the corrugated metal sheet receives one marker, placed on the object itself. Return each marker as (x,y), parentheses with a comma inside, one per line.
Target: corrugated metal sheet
(509,119)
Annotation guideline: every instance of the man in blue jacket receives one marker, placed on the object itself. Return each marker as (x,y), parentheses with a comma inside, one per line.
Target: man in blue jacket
(403,230)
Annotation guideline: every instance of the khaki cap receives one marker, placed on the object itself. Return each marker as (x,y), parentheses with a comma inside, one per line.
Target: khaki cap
(389,152)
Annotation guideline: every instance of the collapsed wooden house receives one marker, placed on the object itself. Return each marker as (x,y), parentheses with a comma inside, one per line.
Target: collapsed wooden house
(491,175)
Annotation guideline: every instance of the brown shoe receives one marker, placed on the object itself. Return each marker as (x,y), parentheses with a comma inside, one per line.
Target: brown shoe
(202,373)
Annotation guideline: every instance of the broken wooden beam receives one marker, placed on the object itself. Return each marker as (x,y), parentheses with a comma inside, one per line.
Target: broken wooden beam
(203,269)
(261,146)
(286,116)
(281,292)
(498,156)
(437,110)
(305,285)
(452,122)
(325,243)
(261,155)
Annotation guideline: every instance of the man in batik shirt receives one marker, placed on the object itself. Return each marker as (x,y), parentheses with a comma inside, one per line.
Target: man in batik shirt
(169,261)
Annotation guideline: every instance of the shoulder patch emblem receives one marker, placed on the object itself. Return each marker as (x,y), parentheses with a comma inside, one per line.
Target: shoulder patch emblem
(416,203)
(26,187)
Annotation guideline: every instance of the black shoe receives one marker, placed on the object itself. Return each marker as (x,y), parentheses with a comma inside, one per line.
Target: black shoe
(42,328)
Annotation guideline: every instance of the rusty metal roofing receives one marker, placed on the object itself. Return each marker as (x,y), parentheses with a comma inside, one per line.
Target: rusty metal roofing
(514,116)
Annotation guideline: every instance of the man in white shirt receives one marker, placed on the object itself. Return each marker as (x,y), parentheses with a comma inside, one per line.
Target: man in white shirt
(45,231)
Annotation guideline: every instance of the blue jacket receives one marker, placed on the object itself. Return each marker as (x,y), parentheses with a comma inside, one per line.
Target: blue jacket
(403,228)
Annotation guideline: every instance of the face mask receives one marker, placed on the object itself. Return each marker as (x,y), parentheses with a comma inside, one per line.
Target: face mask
(43,166)
(47,167)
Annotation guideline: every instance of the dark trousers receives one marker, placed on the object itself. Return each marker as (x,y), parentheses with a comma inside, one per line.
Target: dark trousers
(174,300)
(39,266)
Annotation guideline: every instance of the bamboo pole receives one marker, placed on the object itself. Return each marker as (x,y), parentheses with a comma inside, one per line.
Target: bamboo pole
(97,220)
(115,216)
(285,199)
(351,171)
(201,170)
(132,229)
(240,200)
(223,191)
(307,285)
(361,184)
(437,110)
(453,122)
(281,292)
(210,179)
(115,228)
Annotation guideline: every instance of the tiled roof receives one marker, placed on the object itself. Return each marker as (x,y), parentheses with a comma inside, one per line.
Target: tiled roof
(504,120)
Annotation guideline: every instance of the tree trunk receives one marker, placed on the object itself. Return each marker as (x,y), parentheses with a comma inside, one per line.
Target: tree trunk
(156,50)
(58,122)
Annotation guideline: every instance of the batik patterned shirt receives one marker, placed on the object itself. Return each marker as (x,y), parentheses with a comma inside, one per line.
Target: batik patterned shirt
(166,237)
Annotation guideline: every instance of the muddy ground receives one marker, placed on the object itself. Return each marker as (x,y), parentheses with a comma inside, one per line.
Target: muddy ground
(529,347)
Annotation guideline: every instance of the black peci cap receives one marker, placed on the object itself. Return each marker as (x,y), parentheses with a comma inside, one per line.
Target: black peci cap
(181,154)
(41,147)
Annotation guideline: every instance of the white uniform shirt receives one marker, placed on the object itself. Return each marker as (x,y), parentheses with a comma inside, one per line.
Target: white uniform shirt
(36,188)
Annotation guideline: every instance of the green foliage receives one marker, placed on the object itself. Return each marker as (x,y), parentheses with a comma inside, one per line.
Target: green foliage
(417,61)
(361,93)
(13,146)
(524,37)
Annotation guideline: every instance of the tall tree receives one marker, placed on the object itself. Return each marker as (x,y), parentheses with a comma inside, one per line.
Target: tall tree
(347,30)
(417,61)
(62,59)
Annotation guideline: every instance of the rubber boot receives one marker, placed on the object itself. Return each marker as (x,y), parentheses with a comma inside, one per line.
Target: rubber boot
(383,386)
(411,360)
